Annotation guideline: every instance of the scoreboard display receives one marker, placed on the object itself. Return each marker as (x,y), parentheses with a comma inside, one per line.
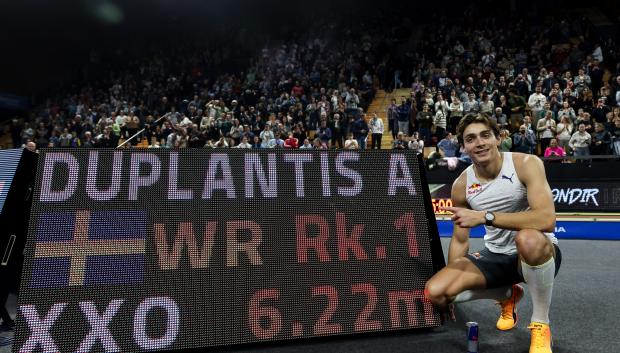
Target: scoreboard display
(137,250)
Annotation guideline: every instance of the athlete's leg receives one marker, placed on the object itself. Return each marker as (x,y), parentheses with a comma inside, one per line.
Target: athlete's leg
(536,254)
(499,294)
(456,277)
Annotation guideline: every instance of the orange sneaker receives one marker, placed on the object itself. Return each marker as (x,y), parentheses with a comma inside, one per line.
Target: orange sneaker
(508,318)
(541,338)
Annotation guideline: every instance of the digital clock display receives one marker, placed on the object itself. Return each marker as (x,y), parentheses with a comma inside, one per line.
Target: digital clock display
(439,204)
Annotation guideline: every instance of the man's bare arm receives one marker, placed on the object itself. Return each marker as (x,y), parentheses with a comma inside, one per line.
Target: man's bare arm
(541,215)
(459,244)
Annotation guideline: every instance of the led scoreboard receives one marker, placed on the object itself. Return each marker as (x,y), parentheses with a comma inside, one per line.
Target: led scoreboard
(141,250)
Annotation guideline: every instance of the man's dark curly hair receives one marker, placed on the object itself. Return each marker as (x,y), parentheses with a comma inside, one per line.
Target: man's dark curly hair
(475,118)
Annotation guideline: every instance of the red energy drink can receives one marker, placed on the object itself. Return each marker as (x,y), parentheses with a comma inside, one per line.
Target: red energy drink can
(472,337)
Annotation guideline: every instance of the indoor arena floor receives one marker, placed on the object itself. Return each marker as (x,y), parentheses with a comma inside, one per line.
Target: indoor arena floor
(583,315)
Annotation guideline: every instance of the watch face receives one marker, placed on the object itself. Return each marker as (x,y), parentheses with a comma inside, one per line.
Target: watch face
(489,216)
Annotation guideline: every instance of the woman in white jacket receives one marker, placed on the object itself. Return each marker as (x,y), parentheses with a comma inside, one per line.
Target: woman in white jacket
(456,113)
(440,121)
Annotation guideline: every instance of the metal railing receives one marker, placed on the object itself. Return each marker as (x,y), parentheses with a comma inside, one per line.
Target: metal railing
(141,131)
(574,159)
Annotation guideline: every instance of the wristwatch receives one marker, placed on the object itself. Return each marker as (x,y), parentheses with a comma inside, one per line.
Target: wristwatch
(489,217)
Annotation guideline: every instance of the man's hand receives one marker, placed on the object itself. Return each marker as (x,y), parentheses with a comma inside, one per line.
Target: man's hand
(464,217)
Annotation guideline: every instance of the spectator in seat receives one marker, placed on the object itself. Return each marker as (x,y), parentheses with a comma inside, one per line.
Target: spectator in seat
(276,142)
(582,81)
(400,143)
(523,140)
(440,121)
(351,143)
(376,129)
(291,141)
(324,133)
(500,118)
(456,113)
(580,142)
(564,131)
(306,145)
(517,108)
(416,143)
(546,129)
(425,122)
(584,118)
(599,112)
(567,111)
(554,150)
(601,141)
(505,141)
(360,131)
(266,134)
(244,143)
(392,115)
(448,146)
(615,137)
(403,117)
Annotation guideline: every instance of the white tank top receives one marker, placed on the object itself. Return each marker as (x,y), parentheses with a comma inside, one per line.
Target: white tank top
(505,194)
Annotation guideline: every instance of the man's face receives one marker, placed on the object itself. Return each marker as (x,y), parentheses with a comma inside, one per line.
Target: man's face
(582,128)
(480,142)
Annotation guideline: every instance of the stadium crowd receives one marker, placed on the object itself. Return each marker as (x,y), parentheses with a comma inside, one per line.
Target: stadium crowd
(552,85)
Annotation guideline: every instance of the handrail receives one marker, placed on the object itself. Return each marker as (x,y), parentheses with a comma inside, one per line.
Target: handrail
(141,131)
(573,158)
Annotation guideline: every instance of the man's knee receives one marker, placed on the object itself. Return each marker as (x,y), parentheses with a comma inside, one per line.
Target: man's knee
(435,292)
(438,288)
(533,245)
